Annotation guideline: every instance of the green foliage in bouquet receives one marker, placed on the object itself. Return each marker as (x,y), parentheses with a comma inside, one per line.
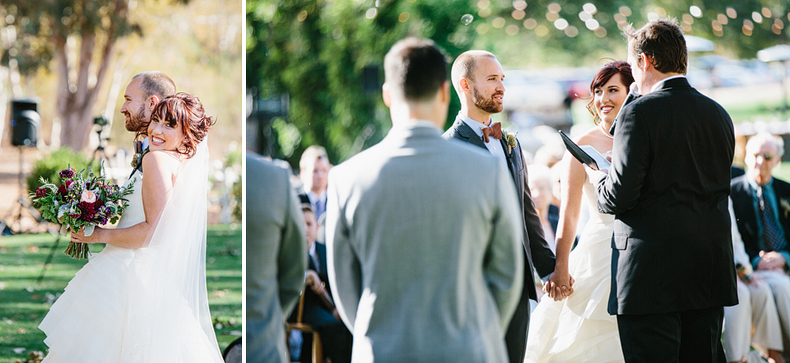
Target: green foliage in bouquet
(48,168)
(80,202)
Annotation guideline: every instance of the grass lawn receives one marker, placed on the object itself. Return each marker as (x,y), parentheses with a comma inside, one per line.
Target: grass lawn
(23,303)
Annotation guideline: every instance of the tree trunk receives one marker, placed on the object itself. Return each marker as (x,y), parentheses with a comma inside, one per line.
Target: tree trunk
(76,102)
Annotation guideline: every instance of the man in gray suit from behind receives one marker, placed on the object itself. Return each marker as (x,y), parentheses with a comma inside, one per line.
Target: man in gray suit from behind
(276,259)
(423,233)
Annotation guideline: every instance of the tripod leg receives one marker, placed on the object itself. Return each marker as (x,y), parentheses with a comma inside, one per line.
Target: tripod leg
(49,260)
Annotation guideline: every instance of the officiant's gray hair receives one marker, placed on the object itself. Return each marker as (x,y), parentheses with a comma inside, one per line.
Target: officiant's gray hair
(156,83)
(464,66)
(763,137)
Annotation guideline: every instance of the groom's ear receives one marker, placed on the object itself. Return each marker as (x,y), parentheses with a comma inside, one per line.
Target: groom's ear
(152,101)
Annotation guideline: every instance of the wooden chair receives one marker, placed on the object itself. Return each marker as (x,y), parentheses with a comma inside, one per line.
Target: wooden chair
(316,351)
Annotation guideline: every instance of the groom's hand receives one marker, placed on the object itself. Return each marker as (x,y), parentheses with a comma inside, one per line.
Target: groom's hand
(559,285)
(771,261)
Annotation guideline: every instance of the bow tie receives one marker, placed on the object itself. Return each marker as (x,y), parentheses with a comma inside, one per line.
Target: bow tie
(495,131)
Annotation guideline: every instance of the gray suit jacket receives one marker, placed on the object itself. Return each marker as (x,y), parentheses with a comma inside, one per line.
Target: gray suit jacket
(423,244)
(276,259)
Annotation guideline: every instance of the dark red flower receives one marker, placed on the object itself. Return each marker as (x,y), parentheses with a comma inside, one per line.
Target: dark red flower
(63,189)
(41,192)
(67,173)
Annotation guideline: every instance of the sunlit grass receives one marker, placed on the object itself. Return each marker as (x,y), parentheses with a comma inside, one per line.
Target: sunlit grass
(24,303)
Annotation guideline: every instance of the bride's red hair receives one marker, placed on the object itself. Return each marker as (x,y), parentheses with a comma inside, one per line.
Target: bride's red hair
(187,111)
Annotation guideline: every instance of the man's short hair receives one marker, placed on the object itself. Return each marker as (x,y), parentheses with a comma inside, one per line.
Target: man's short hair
(761,138)
(464,66)
(310,155)
(156,83)
(662,40)
(415,69)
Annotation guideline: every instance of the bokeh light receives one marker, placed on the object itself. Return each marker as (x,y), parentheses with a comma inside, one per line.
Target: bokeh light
(757,17)
(371,13)
(520,5)
(541,31)
(530,23)
(625,10)
(467,19)
(511,29)
(766,12)
(571,31)
(589,8)
(482,28)
(652,16)
(484,13)
(552,16)
(592,24)
(695,11)
(555,8)
(518,14)
(732,13)
(722,19)
(561,24)
(498,22)
(403,17)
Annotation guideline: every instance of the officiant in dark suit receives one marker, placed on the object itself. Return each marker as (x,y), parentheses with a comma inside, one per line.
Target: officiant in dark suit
(477,78)
(668,186)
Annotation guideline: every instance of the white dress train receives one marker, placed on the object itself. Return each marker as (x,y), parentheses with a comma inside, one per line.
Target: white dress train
(579,329)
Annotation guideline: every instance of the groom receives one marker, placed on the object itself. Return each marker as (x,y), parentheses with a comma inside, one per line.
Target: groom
(142,94)
(672,260)
(477,78)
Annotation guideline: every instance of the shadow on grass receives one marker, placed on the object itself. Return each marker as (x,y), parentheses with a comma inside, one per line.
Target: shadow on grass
(23,303)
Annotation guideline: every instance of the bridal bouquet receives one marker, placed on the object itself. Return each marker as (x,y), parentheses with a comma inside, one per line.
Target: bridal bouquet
(80,202)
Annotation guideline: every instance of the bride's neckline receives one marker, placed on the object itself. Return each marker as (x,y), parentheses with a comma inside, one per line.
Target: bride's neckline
(600,126)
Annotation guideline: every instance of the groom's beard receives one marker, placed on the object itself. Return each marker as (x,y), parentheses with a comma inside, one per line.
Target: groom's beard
(486,104)
(136,121)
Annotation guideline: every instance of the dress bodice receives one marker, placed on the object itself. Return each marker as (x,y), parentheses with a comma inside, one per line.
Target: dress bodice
(134,213)
(595,216)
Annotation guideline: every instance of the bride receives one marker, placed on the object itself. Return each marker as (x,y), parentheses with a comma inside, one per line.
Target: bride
(143,298)
(579,329)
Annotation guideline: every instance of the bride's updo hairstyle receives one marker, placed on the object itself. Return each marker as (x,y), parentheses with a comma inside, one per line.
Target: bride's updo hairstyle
(186,110)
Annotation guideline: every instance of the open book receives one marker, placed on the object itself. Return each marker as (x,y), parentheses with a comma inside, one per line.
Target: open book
(586,154)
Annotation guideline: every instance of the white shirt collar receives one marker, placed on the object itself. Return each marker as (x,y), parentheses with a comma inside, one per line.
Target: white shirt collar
(145,143)
(474,125)
(661,82)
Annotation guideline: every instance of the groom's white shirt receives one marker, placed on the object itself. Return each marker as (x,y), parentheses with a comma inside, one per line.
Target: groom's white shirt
(495,147)
(660,83)
(145,143)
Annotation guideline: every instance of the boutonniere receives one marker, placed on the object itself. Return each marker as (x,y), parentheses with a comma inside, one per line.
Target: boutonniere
(137,159)
(785,205)
(510,140)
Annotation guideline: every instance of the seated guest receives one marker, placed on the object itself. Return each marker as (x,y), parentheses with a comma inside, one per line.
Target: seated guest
(540,184)
(755,312)
(762,210)
(319,311)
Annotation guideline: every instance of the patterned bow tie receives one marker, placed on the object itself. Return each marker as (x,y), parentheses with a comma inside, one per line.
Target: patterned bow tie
(495,131)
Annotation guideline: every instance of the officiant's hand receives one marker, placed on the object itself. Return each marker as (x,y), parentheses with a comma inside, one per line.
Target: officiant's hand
(80,236)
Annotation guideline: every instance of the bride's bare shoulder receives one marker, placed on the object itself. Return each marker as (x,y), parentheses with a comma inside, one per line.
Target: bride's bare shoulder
(164,162)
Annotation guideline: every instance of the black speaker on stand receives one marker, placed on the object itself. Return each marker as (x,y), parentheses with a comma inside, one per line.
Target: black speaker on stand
(25,123)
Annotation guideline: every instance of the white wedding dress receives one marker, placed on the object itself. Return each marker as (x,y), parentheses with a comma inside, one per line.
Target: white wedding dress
(579,329)
(145,305)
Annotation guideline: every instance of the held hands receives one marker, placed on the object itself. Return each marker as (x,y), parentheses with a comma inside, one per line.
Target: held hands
(80,236)
(559,285)
(771,261)
(312,280)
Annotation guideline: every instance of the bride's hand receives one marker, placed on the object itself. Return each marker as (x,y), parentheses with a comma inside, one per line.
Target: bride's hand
(559,285)
(80,236)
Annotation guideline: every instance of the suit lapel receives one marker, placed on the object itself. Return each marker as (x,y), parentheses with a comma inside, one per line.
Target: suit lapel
(466,133)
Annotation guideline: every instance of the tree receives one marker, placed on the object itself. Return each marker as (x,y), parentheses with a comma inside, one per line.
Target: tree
(316,52)
(49,31)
